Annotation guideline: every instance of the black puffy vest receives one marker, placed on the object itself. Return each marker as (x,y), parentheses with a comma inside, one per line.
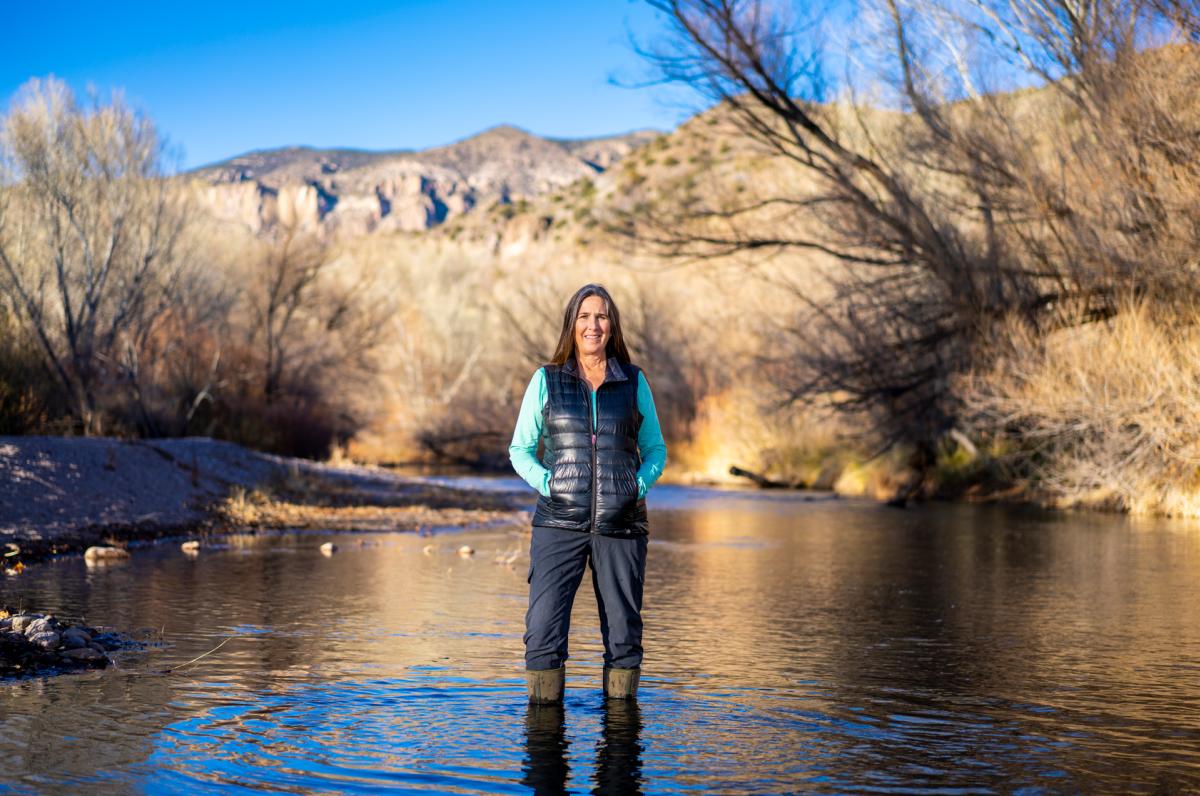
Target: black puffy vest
(593,478)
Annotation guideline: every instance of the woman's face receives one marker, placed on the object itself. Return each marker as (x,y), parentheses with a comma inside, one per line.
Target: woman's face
(592,327)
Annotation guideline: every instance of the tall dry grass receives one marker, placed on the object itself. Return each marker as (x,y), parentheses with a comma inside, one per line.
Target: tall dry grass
(1105,415)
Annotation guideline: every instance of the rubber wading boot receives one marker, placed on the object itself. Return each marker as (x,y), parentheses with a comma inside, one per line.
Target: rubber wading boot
(621,683)
(546,685)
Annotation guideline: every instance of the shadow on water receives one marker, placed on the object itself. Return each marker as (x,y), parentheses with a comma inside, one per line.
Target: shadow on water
(618,754)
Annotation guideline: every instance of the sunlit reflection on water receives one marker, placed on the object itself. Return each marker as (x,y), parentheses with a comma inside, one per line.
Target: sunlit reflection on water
(792,645)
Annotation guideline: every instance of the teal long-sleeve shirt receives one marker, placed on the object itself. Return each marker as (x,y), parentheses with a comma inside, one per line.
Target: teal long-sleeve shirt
(523,450)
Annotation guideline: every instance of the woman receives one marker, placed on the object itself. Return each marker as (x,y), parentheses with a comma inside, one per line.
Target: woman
(604,449)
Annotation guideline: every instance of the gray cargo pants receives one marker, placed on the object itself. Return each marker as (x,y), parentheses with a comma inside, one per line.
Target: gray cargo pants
(556,562)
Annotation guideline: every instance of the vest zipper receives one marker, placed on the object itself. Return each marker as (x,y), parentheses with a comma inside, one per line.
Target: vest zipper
(595,482)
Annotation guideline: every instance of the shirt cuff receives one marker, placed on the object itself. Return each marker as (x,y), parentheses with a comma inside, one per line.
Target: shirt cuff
(545,490)
(641,488)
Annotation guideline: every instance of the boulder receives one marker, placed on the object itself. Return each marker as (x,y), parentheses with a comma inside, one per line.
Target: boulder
(22,621)
(46,640)
(102,553)
(74,638)
(45,624)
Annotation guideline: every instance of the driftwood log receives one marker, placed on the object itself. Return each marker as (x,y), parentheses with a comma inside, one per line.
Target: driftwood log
(763,482)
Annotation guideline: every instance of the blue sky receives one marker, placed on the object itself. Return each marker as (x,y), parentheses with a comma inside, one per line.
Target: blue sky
(221,78)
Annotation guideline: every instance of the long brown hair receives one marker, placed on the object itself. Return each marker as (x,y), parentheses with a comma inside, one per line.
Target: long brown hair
(566,341)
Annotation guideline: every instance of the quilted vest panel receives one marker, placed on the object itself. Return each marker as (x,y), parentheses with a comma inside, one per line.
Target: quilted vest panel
(593,478)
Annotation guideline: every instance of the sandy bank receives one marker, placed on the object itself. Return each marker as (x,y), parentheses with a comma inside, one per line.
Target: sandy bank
(62,494)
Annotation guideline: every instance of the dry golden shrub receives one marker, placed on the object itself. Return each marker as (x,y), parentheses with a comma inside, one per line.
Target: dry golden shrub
(1106,415)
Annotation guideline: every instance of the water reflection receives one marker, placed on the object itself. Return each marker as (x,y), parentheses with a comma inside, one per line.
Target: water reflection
(618,752)
(545,767)
(791,646)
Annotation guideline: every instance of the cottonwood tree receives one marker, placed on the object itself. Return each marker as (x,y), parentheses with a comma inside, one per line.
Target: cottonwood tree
(944,203)
(88,234)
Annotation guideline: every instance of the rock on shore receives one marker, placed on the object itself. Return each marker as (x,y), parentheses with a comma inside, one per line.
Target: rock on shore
(37,643)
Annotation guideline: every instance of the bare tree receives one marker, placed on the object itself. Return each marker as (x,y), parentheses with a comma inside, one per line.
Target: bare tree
(88,234)
(173,367)
(283,289)
(311,333)
(951,205)
(1184,13)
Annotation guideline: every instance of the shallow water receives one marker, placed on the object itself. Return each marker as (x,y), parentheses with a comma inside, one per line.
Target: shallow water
(792,645)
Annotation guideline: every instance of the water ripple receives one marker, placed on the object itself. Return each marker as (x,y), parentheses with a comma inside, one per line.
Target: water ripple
(791,646)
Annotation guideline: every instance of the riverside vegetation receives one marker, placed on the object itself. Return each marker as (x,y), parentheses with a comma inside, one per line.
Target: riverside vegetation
(969,269)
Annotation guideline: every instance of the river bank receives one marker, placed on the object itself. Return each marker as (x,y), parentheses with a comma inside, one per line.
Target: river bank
(61,495)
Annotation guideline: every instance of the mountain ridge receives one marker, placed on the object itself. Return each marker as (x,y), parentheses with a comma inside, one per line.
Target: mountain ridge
(344,191)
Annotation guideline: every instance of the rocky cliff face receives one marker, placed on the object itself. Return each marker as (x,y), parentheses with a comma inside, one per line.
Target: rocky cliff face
(349,192)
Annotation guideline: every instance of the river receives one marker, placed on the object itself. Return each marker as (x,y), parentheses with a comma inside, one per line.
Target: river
(794,643)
